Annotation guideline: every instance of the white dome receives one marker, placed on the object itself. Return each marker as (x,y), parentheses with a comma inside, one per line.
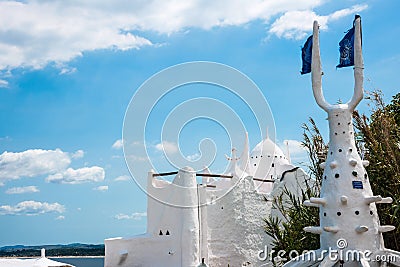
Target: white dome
(267,160)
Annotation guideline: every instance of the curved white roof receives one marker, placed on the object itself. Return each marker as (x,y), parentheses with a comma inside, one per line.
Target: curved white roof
(265,162)
(267,159)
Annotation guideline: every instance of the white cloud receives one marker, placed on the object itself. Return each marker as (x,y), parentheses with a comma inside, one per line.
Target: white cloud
(78,154)
(31,163)
(297,152)
(39,32)
(193,157)
(3,83)
(60,218)
(78,176)
(347,11)
(53,163)
(136,143)
(295,146)
(297,24)
(122,178)
(118,144)
(122,217)
(67,70)
(36,33)
(101,188)
(31,208)
(167,147)
(5,138)
(134,216)
(22,190)
(136,158)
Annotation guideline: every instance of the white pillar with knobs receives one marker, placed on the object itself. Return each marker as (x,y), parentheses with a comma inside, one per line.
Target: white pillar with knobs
(349,220)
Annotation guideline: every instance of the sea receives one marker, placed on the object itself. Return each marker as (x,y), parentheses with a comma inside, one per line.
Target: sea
(82,262)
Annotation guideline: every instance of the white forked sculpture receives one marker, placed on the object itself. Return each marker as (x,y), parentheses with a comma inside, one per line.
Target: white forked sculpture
(347,207)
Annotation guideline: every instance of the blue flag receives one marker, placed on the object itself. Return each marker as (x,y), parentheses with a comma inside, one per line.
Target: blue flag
(346,48)
(306,54)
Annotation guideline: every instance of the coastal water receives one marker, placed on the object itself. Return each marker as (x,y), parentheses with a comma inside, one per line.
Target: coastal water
(83,262)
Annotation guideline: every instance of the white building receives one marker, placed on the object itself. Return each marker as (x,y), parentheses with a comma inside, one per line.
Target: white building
(222,221)
(38,262)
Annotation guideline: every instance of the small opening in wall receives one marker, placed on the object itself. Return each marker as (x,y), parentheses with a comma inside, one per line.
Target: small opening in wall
(331,152)
(339,213)
(344,132)
(335,133)
(255,164)
(354,173)
(160,233)
(256,156)
(350,149)
(357,212)
(324,214)
(371,212)
(338,123)
(325,177)
(167,233)
(337,175)
(340,150)
(273,165)
(365,175)
(222,208)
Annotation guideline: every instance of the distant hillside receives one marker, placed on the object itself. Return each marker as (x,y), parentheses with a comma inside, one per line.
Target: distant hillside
(75,249)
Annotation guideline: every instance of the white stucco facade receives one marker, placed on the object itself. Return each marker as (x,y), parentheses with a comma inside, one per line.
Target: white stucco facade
(223,217)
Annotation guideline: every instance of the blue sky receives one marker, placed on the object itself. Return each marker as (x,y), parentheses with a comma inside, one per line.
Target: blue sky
(68,70)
